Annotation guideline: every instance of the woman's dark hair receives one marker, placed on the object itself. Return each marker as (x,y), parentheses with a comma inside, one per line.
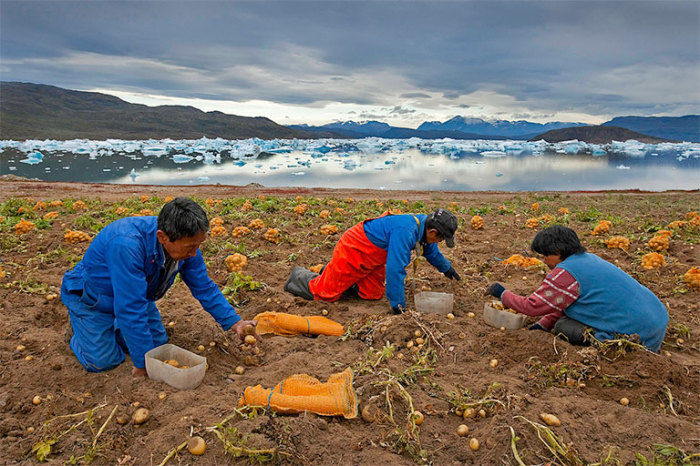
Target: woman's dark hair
(557,239)
(182,218)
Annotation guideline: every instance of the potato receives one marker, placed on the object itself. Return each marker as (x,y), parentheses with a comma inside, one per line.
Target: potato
(474,444)
(417,333)
(36,400)
(550,419)
(324,312)
(240,370)
(493,363)
(469,413)
(624,401)
(121,419)
(471,315)
(482,413)
(162,395)
(420,341)
(200,348)
(28,358)
(30,430)
(370,413)
(450,316)
(417,417)
(20,348)
(212,343)
(250,340)
(140,416)
(172,362)
(196,446)
(462,430)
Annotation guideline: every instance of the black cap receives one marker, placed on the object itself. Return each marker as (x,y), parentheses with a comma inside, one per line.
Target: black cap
(445,223)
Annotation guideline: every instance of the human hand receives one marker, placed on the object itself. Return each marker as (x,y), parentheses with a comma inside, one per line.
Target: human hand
(244,328)
(452,274)
(495,290)
(537,326)
(139,372)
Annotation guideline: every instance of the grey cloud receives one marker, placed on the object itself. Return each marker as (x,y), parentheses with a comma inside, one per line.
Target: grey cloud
(308,53)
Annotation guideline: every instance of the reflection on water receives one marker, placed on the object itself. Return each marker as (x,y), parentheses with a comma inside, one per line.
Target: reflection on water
(407,169)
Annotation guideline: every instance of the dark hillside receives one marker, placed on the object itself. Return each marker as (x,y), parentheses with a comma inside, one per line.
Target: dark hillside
(35,111)
(596,135)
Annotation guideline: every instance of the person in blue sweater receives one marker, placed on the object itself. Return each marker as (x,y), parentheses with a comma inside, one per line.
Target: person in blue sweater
(111,293)
(376,251)
(584,294)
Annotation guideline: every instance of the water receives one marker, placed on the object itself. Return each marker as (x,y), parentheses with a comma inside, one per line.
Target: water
(371,163)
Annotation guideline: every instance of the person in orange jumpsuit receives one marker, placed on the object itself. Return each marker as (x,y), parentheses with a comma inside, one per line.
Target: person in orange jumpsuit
(370,258)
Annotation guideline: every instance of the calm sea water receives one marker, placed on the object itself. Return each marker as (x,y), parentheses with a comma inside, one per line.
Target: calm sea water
(399,169)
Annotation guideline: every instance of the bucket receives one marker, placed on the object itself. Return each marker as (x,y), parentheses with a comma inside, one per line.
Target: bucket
(182,379)
(434,302)
(498,319)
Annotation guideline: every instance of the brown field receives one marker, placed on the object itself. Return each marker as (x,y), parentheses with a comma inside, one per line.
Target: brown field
(449,372)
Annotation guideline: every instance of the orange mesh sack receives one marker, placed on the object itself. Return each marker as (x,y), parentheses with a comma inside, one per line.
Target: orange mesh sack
(284,324)
(300,392)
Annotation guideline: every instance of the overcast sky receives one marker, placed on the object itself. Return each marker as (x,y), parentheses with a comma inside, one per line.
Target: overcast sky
(402,62)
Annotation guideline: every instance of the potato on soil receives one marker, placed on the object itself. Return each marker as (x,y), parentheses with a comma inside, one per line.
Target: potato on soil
(196,446)
(370,413)
(240,370)
(248,330)
(140,416)
(462,430)
(474,444)
(250,340)
(550,419)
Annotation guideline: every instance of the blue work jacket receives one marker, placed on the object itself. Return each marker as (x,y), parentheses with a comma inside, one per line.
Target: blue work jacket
(121,272)
(398,235)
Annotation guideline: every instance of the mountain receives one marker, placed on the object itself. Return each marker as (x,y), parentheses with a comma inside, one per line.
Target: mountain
(351,130)
(520,129)
(36,111)
(685,128)
(596,135)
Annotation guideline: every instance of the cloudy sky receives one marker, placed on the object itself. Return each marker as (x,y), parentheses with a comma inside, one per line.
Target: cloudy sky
(402,62)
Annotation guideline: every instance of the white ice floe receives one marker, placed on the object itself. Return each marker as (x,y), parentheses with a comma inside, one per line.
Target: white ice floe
(211,150)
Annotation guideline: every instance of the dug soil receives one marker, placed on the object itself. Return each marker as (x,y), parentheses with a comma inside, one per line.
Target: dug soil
(435,364)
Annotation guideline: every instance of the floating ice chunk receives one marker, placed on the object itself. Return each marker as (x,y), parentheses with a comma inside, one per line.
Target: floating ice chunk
(33,158)
(622,167)
(493,153)
(133,174)
(181,158)
(203,178)
(598,152)
(299,173)
(12,168)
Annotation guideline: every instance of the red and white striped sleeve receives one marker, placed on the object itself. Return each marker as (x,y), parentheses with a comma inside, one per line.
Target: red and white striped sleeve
(557,292)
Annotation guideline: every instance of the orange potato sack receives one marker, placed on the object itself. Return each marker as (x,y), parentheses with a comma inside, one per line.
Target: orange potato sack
(301,209)
(535,206)
(340,210)
(215,222)
(239,232)
(329,230)
(691,215)
(79,205)
(316,268)
(218,231)
(168,199)
(73,237)
(675,225)
(692,278)
(659,243)
(272,235)
(619,242)
(247,205)
(602,228)
(324,214)
(667,233)
(55,203)
(236,262)
(144,198)
(256,224)
(477,222)
(145,212)
(24,226)
(41,205)
(653,260)
(209,202)
(50,215)
(532,222)
(563,211)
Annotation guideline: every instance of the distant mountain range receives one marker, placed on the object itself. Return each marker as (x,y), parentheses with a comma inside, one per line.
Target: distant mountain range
(597,135)
(36,111)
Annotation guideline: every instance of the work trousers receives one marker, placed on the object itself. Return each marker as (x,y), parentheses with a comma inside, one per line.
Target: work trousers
(96,340)
(355,261)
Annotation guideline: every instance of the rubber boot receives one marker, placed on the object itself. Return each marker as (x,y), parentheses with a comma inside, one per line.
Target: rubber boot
(298,282)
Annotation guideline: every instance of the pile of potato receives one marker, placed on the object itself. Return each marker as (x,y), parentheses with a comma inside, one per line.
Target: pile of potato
(74,237)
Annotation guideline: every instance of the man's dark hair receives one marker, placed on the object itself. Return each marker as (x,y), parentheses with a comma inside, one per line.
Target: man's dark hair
(557,239)
(182,218)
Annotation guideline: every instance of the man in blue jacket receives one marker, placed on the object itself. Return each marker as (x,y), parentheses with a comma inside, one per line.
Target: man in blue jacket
(111,293)
(376,251)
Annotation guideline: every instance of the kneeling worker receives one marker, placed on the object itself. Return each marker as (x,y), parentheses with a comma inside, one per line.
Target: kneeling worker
(376,250)
(130,264)
(584,294)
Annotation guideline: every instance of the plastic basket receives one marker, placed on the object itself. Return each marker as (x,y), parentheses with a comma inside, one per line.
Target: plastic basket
(434,302)
(498,319)
(182,379)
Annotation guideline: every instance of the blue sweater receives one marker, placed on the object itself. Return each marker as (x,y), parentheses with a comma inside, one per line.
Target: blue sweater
(121,269)
(612,302)
(398,235)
